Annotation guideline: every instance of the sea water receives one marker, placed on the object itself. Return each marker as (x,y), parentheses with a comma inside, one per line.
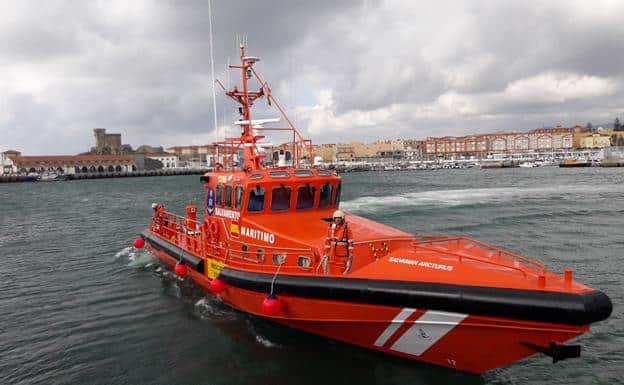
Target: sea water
(78,305)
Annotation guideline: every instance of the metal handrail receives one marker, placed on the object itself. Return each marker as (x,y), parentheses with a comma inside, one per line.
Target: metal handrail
(498,252)
(460,256)
(174,225)
(405,238)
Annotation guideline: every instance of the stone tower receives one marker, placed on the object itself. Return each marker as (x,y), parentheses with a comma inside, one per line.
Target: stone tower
(100,140)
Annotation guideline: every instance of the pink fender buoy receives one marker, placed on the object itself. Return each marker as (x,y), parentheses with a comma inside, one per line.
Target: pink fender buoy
(271,305)
(139,243)
(217,286)
(180,270)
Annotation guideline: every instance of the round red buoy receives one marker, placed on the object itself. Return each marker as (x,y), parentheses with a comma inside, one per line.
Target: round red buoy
(181,270)
(139,243)
(271,305)
(216,286)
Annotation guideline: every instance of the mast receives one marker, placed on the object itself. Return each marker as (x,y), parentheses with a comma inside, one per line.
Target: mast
(246,98)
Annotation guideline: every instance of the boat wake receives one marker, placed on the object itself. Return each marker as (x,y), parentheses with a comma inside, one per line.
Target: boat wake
(211,308)
(265,342)
(140,258)
(470,197)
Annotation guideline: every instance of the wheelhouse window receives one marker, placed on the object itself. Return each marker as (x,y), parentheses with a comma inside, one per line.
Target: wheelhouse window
(326,195)
(338,188)
(239,197)
(219,194)
(279,174)
(280,198)
(256,200)
(305,197)
(228,196)
(303,173)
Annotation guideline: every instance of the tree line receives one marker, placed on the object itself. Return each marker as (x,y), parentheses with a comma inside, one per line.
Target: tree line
(617,126)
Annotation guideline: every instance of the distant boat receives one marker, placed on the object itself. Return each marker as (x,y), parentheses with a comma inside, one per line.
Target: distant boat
(575,163)
(527,165)
(545,163)
(496,164)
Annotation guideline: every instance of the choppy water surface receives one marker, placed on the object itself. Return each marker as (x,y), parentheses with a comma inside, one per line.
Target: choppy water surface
(78,306)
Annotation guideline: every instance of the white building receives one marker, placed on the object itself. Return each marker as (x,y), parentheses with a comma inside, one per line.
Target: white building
(168,160)
(6,163)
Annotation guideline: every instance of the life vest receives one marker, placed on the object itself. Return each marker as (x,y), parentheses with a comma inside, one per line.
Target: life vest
(340,239)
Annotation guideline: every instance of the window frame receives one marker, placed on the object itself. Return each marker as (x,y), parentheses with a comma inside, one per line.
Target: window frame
(289,198)
(329,198)
(337,193)
(238,199)
(228,196)
(306,186)
(263,199)
(219,195)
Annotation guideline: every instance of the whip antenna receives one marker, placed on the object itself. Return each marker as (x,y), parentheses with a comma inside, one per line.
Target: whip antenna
(214,92)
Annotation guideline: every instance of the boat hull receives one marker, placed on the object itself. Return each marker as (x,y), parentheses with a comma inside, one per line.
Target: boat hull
(452,339)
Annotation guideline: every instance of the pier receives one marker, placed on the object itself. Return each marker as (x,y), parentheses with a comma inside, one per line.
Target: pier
(101,175)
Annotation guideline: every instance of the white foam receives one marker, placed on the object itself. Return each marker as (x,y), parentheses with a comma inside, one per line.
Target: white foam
(211,308)
(124,252)
(449,198)
(136,257)
(265,342)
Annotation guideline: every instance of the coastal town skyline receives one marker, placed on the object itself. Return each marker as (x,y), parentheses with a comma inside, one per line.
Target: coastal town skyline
(557,138)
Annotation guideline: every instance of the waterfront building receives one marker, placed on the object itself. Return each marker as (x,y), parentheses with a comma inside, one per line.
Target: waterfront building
(413,149)
(372,150)
(345,152)
(192,153)
(168,160)
(538,140)
(592,140)
(6,163)
(13,162)
(326,151)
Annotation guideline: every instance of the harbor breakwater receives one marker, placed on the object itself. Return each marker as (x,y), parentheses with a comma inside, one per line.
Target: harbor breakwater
(100,175)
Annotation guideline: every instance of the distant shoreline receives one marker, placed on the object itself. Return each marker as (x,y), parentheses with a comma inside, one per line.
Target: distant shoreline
(102,175)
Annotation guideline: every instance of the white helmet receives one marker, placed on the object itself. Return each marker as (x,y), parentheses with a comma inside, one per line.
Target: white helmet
(338,214)
(154,206)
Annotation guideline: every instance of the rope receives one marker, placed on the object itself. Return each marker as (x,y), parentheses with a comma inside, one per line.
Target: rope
(275,275)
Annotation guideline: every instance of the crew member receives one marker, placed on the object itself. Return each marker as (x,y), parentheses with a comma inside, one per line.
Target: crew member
(339,241)
(159,214)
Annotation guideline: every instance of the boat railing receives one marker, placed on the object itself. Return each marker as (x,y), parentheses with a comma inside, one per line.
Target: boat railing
(189,234)
(271,251)
(431,243)
(386,239)
(180,230)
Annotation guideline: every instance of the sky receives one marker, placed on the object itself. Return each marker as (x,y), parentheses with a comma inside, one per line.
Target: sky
(343,70)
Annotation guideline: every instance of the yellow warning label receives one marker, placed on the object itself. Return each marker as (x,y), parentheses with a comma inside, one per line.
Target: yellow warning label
(234,228)
(214,268)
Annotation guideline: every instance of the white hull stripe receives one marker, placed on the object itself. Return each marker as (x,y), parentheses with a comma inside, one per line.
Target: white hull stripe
(394,326)
(426,331)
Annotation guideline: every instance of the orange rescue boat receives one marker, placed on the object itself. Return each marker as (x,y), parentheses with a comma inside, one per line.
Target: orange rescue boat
(273,243)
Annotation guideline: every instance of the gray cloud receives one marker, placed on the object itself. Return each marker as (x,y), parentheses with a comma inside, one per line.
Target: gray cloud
(374,68)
